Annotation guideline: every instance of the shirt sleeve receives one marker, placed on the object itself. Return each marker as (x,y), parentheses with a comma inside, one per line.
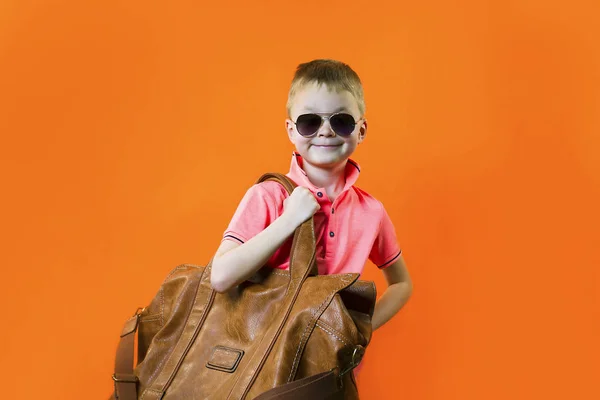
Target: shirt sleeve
(385,249)
(255,212)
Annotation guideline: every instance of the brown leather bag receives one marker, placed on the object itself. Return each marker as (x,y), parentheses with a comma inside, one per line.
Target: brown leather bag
(280,335)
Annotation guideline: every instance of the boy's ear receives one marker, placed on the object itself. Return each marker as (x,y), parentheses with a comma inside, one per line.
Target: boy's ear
(289,127)
(362,133)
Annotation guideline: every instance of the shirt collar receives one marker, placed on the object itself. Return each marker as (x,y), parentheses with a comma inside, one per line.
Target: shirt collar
(298,175)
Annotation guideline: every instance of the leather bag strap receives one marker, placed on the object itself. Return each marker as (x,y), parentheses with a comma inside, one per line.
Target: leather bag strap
(316,387)
(300,256)
(124,379)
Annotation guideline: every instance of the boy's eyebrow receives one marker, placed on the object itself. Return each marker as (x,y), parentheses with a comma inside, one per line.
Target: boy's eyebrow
(342,108)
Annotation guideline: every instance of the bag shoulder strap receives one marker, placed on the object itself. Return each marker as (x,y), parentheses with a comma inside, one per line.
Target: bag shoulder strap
(286,182)
(125,381)
(306,241)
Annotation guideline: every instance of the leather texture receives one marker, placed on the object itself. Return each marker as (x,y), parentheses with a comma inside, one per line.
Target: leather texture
(280,335)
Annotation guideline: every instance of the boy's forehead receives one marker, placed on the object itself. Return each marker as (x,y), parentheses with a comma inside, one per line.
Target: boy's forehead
(312,97)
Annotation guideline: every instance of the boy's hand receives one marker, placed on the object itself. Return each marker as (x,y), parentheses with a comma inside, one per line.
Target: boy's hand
(300,206)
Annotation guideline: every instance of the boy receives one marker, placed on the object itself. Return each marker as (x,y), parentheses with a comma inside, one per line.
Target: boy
(326,122)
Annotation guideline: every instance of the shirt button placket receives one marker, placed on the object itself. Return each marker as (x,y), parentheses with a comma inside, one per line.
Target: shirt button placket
(331,233)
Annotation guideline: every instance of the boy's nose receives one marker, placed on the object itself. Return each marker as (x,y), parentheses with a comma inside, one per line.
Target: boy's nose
(325,129)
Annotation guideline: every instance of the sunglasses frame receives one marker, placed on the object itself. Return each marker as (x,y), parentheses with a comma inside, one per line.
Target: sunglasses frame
(327,117)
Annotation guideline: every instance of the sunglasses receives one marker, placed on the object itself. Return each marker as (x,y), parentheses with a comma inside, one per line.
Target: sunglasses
(341,123)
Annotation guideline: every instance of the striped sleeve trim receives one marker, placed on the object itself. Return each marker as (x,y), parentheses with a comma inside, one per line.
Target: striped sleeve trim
(231,237)
(387,264)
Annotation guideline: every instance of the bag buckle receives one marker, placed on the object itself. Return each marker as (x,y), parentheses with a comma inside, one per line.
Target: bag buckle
(122,379)
(125,378)
(357,356)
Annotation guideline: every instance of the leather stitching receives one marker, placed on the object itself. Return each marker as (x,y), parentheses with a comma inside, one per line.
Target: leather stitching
(161,293)
(331,331)
(162,306)
(166,359)
(179,268)
(311,323)
(158,392)
(150,319)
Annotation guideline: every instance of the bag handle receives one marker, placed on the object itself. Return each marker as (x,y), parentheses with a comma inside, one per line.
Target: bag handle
(302,260)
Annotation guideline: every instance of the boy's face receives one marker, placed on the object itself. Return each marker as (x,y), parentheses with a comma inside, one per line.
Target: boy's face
(325,148)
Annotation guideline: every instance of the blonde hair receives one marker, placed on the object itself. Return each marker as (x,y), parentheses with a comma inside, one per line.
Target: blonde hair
(335,74)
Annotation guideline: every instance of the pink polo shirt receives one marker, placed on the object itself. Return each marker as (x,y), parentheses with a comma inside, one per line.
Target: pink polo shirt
(351,230)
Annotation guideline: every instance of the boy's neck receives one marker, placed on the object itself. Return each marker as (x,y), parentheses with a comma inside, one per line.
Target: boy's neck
(333,180)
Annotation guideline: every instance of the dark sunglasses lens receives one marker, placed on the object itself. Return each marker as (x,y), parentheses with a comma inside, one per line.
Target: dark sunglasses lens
(342,124)
(308,124)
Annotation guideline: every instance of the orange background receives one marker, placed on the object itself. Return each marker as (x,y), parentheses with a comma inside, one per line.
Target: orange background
(130,131)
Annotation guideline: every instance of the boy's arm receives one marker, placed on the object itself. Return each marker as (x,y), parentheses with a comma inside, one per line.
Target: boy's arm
(234,263)
(396,294)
